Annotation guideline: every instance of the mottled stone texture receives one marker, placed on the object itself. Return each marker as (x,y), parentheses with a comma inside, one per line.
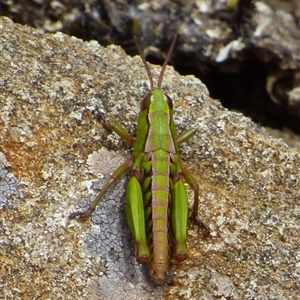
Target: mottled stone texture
(53,89)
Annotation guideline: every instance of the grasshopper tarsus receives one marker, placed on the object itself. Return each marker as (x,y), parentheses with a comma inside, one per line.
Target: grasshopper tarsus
(81,214)
(201,224)
(106,125)
(118,129)
(101,119)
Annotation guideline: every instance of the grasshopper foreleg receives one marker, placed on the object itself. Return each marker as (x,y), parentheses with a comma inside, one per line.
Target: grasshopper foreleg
(186,135)
(118,129)
(121,132)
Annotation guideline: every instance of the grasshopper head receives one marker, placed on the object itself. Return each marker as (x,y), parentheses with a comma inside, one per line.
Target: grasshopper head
(156,100)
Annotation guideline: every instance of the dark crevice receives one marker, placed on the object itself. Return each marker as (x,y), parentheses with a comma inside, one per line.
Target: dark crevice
(243,88)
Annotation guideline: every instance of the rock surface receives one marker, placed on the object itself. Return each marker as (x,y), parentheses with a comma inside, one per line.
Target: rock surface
(53,89)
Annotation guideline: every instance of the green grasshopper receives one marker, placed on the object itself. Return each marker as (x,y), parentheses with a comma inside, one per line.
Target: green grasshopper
(156,197)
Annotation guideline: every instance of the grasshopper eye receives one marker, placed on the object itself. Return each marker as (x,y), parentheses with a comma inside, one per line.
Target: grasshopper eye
(169,101)
(146,102)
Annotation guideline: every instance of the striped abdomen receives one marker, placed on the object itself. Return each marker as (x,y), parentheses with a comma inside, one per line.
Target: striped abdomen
(158,218)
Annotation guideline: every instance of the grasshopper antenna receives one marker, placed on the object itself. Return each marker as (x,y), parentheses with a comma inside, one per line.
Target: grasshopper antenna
(138,46)
(160,78)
